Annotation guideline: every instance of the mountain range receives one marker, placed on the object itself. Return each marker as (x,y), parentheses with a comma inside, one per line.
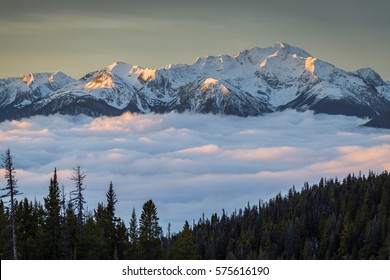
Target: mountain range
(250,83)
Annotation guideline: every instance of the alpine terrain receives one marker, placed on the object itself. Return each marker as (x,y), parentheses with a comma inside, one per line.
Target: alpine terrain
(253,82)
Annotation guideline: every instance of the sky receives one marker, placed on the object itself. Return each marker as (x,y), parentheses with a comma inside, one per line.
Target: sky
(78,37)
(190,164)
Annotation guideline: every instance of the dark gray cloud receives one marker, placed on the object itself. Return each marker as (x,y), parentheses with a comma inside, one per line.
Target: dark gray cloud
(375,12)
(195,163)
(367,14)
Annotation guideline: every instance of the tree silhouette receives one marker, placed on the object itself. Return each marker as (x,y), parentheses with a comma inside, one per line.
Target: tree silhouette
(53,217)
(11,191)
(78,177)
(149,232)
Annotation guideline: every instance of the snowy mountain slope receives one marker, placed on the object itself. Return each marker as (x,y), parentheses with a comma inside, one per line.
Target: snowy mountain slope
(252,82)
(28,88)
(209,95)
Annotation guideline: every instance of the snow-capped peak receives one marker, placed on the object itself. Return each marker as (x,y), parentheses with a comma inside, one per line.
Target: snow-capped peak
(120,68)
(125,70)
(257,55)
(28,78)
(290,49)
(370,76)
(35,79)
(56,80)
(102,80)
(212,85)
(59,79)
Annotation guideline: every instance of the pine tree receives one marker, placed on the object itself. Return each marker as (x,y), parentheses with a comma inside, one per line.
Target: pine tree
(133,236)
(78,200)
(102,230)
(4,225)
(38,242)
(185,247)
(70,232)
(122,241)
(26,224)
(91,245)
(12,191)
(149,232)
(112,221)
(53,217)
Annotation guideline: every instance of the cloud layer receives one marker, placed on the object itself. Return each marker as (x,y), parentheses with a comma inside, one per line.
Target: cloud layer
(190,164)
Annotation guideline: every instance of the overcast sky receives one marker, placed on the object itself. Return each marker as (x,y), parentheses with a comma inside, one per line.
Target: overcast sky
(77,37)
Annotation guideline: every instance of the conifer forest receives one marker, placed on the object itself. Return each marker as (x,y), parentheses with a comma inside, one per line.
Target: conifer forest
(334,219)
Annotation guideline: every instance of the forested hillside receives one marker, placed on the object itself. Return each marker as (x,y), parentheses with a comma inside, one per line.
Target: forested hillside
(348,219)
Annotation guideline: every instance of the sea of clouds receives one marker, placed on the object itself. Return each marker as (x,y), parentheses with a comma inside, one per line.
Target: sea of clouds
(190,164)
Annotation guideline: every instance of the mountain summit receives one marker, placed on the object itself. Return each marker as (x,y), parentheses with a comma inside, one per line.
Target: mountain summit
(250,83)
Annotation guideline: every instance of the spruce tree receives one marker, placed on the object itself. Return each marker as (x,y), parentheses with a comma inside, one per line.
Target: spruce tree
(112,221)
(78,200)
(26,230)
(149,232)
(53,217)
(133,236)
(11,192)
(185,246)
(4,225)
(122,241)
(71,232)
(38,243)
